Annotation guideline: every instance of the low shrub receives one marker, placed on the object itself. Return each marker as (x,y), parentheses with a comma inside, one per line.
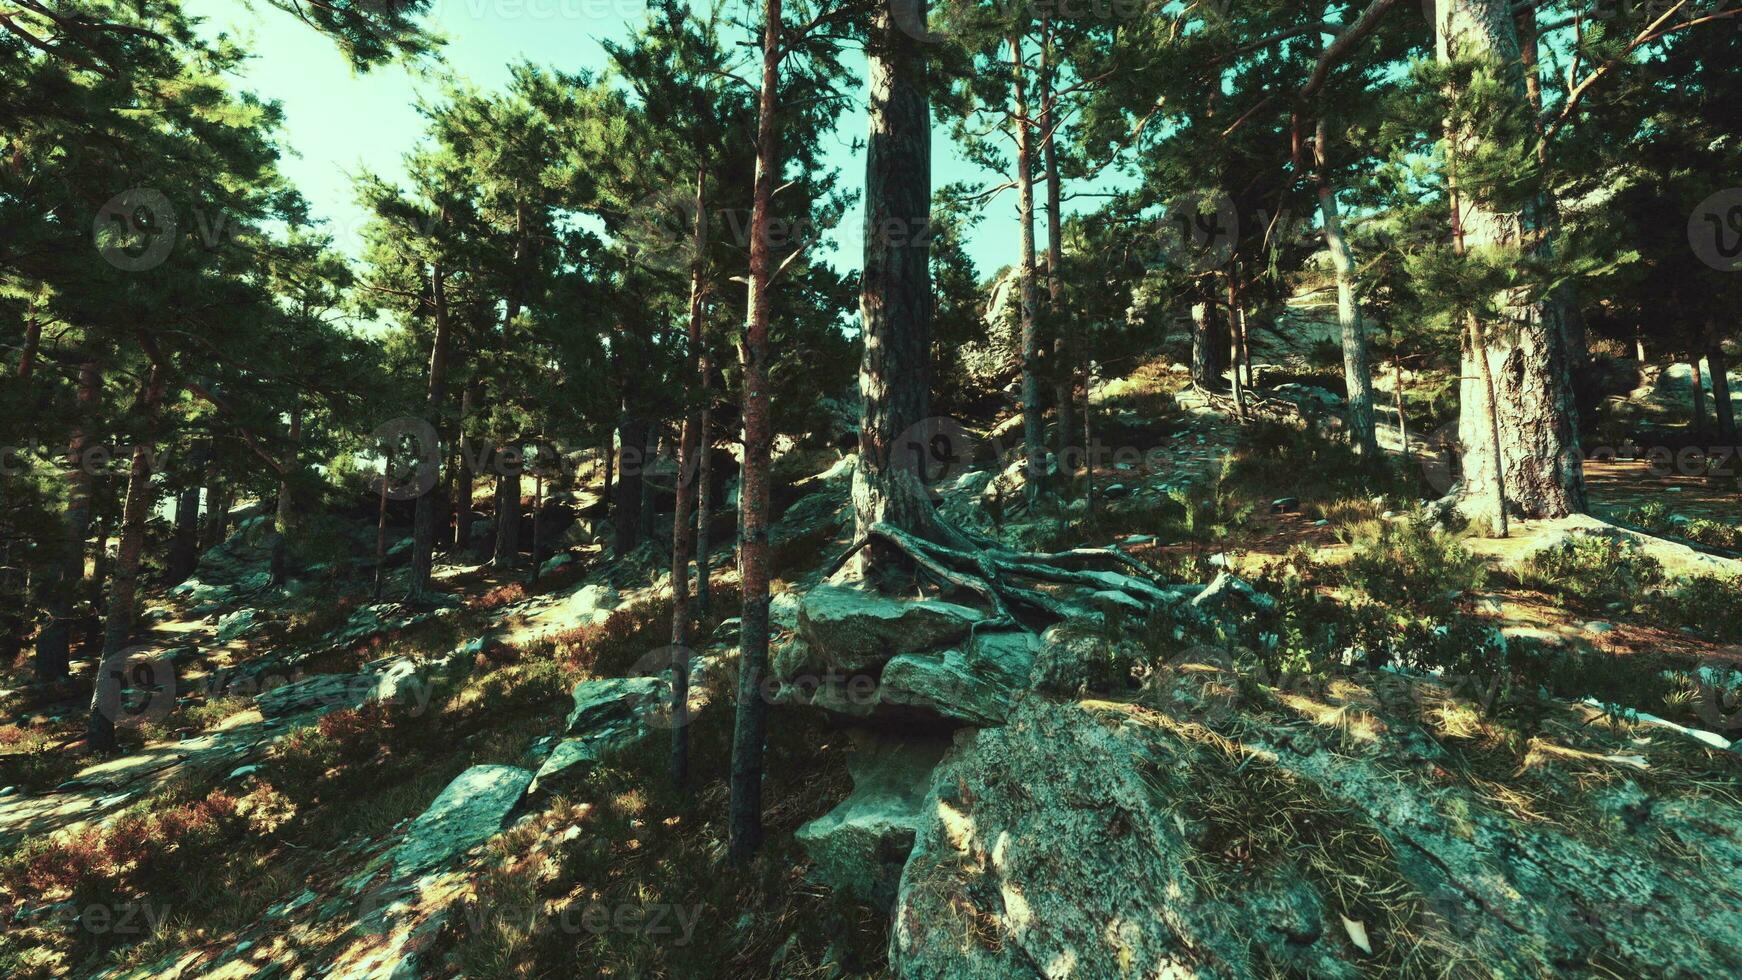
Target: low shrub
(1594,570)
(1709,605)
(1412,564)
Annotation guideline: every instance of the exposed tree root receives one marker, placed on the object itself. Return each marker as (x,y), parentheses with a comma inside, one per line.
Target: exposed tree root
(989,570)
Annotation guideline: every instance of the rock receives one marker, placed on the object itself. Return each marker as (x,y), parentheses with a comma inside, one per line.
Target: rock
(1069,661)
(468,812)
(860,846)
(592,604)
(556,562)
(241,772)
(237,624)
(600,702)
(1090,839)
(1599,627)
(1287,505)
(1137,539)
(323,692)
(852,631)
(1115,491)
(783,610)
(976,684)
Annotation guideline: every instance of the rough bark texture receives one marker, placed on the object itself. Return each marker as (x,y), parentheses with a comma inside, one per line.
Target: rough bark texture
(1209,353)
(424,527)
(683,532)
(1720,370)
(184,545)
(463,475)
(1699,395)
(751,725)
(1526,354)
(1357,371)
(124,590)
(54,640)
(509,467)
(704,483)
(895,303)
(1033,434)
(1063,355)
(1236,314)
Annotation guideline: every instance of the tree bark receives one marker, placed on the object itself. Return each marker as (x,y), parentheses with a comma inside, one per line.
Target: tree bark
(1723,407)
(1063,367)
(895,301)
(424,526)
(1357,371)
(463,475)
(1033,433)
(1397,388)
(631,470)
(683,531)
(124,590)
(751,727)
(1699,396)
(286,513)
(1235,315)
(381,524)
(67,576)
(704,484)
(1540,472)
(510,462)
(184,547)
(1209,357)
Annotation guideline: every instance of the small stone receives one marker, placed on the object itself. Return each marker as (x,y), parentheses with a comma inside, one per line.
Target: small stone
(1599,627)
(242,771)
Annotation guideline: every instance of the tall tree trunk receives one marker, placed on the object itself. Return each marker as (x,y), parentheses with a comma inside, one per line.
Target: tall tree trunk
(463,475)
(631,471)
(895,301)
(1566,294)
(32,341)
(1033,433)
(219,499)
(67,577)
(704,483)
(424,526)
(510,462)
(286,513)
(1539,470)
(1397,389)
(124,592)
(541,464)
(1209,356)
(1234,317)
(1699,396)
(381,524)
(683,531)
(1357,372)
(1720,371)
(1063,367)
(99,581)
(751,725)
(184,547)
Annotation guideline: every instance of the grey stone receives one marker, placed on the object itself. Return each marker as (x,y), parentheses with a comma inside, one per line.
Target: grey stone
(468,812)
(976,684)
(859,847)
(850,631)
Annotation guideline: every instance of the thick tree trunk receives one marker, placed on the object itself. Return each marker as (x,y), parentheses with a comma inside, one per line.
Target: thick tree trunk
(286,514)
(424,526)
(1209,354)
(1723,407)
(67,577)
(510,463)
(541,465)
(184,545)
(124,591)
(683,531)
(895,302)
(751,727)
(32,341)
(219,499)
(1527,361)
(381,525)
(631,471)
(1357,371)
(1033,433)
(1397,389)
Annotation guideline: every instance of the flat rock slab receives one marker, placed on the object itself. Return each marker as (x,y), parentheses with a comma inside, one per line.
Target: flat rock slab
(975,685)
(854,631)
(468,812)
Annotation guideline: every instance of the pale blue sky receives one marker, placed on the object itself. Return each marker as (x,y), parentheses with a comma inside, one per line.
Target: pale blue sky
(339,124)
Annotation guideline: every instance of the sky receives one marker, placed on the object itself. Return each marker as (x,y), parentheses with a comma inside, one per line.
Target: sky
(339,124)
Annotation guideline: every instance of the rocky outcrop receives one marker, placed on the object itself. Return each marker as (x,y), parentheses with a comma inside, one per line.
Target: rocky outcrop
(851,631)
(975,683)
(468,812)
(1315,835)
(610,715)
(859,847)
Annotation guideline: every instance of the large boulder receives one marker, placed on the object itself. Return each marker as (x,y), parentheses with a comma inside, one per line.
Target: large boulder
(468,812)
(859,847)
(1317,836)
(598,703)
(975,683)
(851,631)
(610,716)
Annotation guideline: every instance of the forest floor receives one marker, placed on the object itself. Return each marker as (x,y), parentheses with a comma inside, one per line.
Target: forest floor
(250,823)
